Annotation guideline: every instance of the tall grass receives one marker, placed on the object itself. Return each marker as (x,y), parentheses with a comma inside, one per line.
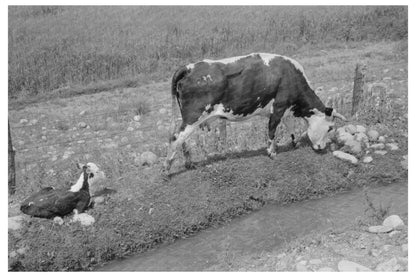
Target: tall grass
(53,47)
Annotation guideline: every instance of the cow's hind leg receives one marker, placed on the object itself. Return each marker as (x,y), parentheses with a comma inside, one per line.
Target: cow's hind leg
(275,117)
(179,139)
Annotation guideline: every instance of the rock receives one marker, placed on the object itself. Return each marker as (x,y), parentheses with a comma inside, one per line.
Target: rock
(393,233)
(98,199)
(326,269)
(361,129)
(301,266)
(379,229)
(67,154)
(372,135)
(377,146)
(58,220)
(351,129)
(23,121)
(405,249)
(345,265)
(22,250)
(380,152)
(393,221)
(162,111)
(44,138)
(381,139)
(333,147)
(387,247)
(15,222)
(83,113)
(124,140)
(367,159)
(84,219)
(130,129)
(82,125)
(344,156)
(159,122)
(315,261)
(136,118)
(392,146)
(13,254)
(361,137)
(403,261)
(390,265)
(148,158)
(375,252)
(353,146)
(404,162)
(343,137)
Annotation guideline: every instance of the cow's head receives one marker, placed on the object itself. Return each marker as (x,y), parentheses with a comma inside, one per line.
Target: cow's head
(320,124)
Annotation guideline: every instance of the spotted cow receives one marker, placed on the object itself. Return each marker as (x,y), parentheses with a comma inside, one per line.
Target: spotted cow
(238,88)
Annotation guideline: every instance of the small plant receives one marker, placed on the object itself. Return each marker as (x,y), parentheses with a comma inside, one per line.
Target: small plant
(374,212)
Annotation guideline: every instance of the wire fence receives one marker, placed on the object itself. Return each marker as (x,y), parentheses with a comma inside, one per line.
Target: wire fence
(36,145)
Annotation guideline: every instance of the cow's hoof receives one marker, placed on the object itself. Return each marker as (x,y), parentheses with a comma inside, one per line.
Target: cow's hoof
(164,173)
(190,165)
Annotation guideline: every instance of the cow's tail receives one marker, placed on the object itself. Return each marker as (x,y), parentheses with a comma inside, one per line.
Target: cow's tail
(177,76)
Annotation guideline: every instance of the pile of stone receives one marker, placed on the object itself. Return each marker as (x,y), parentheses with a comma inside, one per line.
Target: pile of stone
(355,143)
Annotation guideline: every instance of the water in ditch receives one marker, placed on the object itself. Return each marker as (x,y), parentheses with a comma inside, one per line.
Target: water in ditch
(263,230)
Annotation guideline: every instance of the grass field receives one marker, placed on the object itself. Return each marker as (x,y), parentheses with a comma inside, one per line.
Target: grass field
(59,47)
(147,210)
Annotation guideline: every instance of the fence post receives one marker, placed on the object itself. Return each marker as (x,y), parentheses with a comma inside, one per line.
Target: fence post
(223,135)
(12,168)
(358,90)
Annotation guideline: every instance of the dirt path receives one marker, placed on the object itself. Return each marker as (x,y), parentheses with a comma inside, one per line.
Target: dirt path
(261,231)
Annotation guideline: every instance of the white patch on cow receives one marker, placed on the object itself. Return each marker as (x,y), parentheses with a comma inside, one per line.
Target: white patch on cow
(318,129)
(298,66)
(190,66)
(78,185)
(266,57)
(226,60)
(271,149)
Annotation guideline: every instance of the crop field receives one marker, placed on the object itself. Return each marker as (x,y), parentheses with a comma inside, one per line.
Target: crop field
(92,84)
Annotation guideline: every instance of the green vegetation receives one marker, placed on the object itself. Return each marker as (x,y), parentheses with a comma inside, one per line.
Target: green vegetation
(55,47)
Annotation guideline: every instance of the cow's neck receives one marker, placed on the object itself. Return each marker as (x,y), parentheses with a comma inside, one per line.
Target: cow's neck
(306,102)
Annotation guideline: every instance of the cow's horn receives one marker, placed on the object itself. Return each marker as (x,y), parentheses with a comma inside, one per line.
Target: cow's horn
(338,115)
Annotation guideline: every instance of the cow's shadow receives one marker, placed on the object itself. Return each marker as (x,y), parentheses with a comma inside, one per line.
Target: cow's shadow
(301,143)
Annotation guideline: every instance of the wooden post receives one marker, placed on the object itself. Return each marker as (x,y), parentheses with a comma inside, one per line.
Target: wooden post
(358,90)
(12,169)
(222,135)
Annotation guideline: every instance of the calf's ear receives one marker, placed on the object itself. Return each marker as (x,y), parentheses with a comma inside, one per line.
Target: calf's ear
(328,111)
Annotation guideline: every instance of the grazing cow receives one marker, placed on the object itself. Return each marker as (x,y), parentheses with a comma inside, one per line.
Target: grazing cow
(241,87)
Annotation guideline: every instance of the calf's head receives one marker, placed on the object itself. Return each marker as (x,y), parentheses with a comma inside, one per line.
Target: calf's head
(319,125)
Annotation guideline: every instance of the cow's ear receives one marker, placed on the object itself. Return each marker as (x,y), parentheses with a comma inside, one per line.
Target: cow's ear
(328,111)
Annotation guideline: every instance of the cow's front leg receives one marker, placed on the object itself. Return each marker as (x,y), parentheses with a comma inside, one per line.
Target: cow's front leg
(186,153)
(294,142)
(274,120)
